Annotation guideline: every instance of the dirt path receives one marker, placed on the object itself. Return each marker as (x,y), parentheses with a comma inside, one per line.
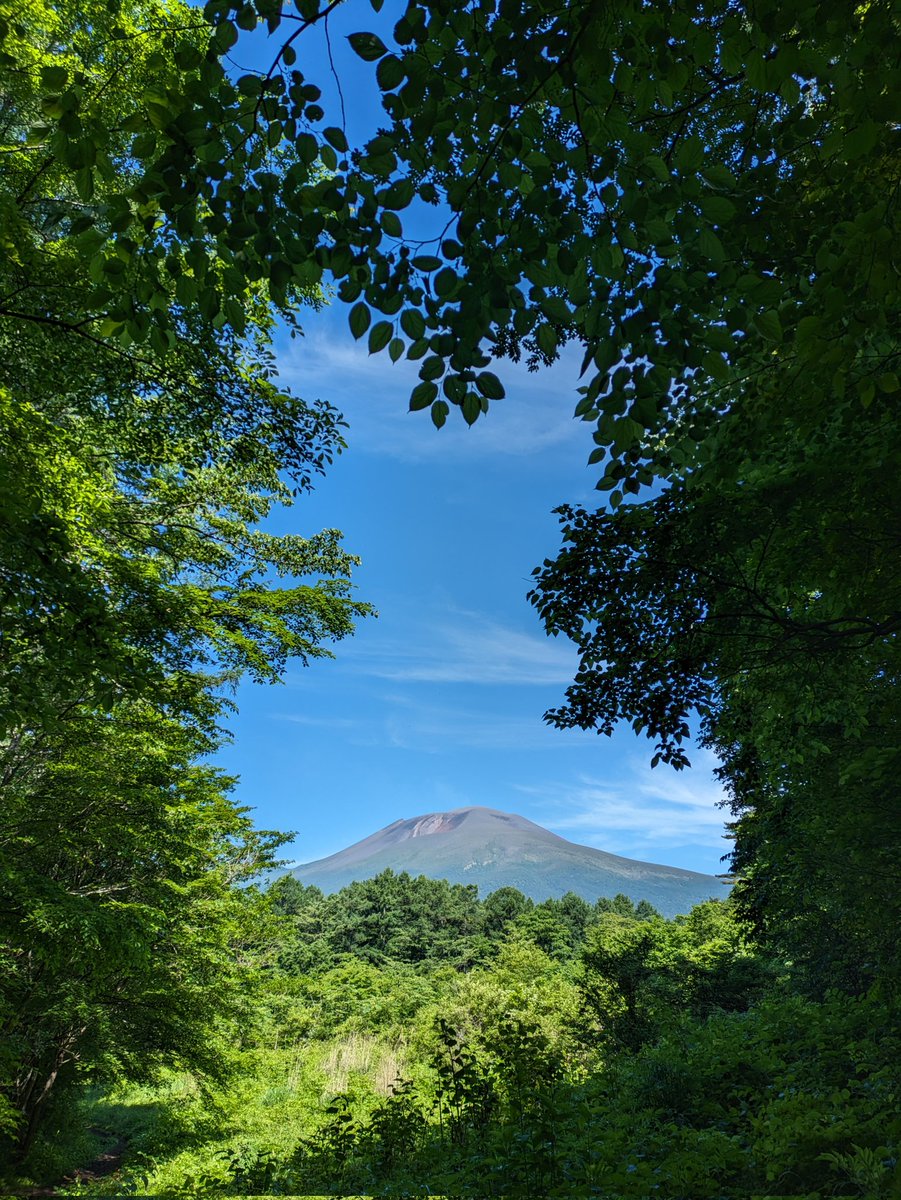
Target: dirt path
(106,1163)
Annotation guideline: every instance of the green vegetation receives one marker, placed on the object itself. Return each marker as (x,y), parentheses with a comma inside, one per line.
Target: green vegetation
(136,585)
(641,1057)
(701,195)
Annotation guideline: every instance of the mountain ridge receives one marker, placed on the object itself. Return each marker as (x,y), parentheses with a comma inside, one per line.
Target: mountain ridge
(494,849)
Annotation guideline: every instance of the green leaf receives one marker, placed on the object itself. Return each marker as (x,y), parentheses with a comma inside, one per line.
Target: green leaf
(717,366)
(307,148)
(84,184)
(225,37)
(719,176)
(422,396)
(471,408)
(390,73)
(719,338)
(547,340)
(808,328)
(52,107)
(144,145)
(490,386)
(859,141)
(54,77)
(655,165)
(768,325)
(359,319)
(440,410)
(368,46)
(280,274)
(711,246)
(380,336)
(690,155)
(399,194)
(432,368)
(335,137)
(454,388)
(445,282)
(717,208)
(412,323)
(426,262)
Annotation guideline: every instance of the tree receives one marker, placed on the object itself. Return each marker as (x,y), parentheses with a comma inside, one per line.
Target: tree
(125,573)
(500,908)
(611,177)
(404,918)
(127,933)
(620,904)
(139,465)
(546,927)
(770,610)
(143,441)
(639,977)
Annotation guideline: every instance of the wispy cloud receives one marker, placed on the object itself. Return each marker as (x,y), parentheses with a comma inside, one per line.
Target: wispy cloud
(372,392)
(466,647)
(407,723)
(321,722)
(439,729)
(639,811)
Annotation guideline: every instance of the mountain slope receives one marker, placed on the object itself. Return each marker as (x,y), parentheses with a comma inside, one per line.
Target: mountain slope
(496,849)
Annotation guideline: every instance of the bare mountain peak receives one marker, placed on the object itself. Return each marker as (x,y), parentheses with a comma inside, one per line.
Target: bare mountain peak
(433,823)
(475,818)
(496,849)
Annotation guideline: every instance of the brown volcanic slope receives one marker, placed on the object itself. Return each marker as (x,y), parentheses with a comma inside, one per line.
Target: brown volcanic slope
(496,849)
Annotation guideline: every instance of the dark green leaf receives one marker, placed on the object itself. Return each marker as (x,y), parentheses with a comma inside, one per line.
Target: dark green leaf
(769,325)
(422,396)
(390,73)
(439,413)
(471,408)
(368,46)
(335,137)
(380,336)
(489,385)
(359,319)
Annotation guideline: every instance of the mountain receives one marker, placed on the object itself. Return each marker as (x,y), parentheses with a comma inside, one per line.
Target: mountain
(497,849)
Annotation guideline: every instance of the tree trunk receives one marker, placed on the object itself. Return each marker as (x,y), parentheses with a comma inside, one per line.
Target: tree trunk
(32,1099)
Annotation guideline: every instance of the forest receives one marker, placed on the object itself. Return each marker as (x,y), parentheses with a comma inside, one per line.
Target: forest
(701,197)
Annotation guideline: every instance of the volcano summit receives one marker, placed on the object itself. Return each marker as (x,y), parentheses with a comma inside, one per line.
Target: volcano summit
(495,849)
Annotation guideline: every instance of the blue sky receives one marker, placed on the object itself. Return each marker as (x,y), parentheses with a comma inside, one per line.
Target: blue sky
(438,702)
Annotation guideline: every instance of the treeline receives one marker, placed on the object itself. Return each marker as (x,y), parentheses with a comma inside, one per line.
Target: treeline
(399,918)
